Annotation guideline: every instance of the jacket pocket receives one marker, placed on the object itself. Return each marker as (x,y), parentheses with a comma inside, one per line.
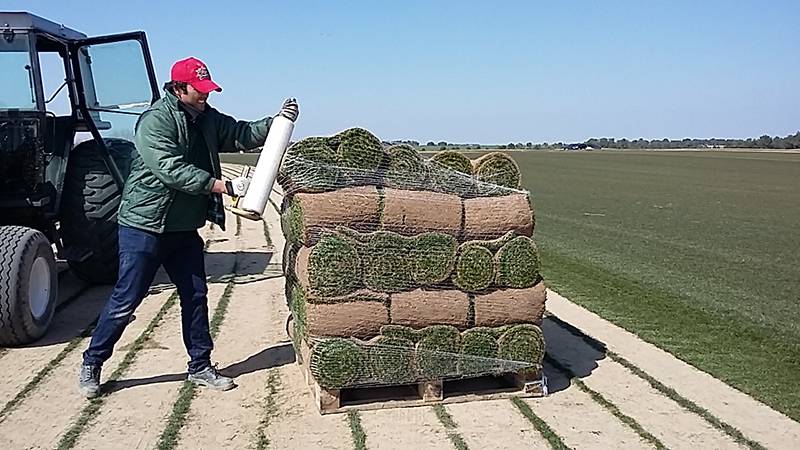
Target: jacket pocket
(146,202)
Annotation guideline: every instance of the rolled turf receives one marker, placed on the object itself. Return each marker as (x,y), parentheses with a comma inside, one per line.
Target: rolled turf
(337,362)
(433,258)
(424,307)
(333,267)
(474,270)
(352,207)
(505,306)
(387,267)
(438,352)
(479,352)
(518,263)
(491,218)
(392,360)
(360,314)
(406,169)
(311,165)
(453,160)
(361,155)
(401,332)
(497,173)
(523,343)
(298,309)
(413,212)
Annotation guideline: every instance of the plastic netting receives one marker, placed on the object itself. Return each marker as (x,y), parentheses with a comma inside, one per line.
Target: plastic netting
(401,267)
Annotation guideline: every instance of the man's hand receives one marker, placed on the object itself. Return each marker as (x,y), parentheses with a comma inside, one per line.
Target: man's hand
(290,109)
(236,187)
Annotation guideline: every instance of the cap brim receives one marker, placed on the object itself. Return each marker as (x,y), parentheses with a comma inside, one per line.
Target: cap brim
(206,86)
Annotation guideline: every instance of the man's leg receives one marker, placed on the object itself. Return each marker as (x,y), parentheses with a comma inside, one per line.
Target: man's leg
(185,264)
(138,263)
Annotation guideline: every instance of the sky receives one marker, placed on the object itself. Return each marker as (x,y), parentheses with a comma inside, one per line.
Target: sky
(477,72)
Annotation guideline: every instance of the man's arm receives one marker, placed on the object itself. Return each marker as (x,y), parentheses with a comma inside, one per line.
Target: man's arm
(157,144)
(241,135)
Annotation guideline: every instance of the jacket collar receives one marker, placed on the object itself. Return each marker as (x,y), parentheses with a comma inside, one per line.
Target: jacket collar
(172,102)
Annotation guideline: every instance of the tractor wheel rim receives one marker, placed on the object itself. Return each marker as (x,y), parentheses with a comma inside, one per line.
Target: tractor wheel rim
(39,287)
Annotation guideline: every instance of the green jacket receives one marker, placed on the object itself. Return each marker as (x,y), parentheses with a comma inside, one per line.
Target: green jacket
(165,166)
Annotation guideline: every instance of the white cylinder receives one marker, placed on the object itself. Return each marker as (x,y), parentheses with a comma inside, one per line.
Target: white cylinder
(269,161)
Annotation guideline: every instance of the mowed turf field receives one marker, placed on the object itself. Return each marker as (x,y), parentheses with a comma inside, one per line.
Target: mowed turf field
(695,252)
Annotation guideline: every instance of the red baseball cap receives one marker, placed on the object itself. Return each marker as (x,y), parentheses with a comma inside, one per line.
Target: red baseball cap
(193,71)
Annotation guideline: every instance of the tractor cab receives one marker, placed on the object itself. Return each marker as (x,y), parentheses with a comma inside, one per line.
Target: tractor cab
(62,88)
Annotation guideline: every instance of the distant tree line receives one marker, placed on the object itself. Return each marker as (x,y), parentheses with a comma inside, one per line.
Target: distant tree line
(765,141)
(791,141)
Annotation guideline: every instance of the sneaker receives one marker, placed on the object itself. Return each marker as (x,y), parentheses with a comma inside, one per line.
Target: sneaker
(89,380)
(209,377)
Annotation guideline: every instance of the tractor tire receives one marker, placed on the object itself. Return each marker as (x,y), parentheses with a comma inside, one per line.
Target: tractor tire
(28,285)
(89,206)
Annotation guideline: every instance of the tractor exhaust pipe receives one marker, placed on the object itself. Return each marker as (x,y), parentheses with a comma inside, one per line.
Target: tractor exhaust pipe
(254,202)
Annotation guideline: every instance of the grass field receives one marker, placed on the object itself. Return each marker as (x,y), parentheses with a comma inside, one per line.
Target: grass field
(696,252)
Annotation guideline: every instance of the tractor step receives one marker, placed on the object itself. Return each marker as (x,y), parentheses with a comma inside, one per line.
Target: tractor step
(75,253)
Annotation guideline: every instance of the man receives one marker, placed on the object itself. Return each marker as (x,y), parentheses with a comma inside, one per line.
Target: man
(174,186)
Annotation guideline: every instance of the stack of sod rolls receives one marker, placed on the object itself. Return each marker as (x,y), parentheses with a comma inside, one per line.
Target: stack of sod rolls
(401,269)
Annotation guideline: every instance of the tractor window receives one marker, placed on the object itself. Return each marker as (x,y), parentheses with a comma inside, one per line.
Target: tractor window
(56,93)
(118,74)
(16,75)
(116,85)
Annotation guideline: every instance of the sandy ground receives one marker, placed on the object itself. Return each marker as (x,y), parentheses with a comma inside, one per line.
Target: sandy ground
(272,397)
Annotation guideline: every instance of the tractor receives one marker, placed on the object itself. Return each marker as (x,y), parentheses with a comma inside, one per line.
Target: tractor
(68,106)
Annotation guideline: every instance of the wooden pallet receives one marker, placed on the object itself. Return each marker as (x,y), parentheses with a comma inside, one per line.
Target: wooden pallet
(329,401)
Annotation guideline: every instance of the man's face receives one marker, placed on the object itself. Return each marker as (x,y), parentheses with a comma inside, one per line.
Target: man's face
(193,97)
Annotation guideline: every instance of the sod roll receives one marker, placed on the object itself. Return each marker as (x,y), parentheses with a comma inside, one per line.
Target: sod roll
(337,362)
(524,343)
(413,212)
(310,165)
(355,208)
(432,258)
(360,154)
(298,309)
(438,352)
(331,268)
(497,170)
(478,352)
(453,160)
(510,306)
(392,360)
(518,263)
(401,332)
(492,217)
(406,169)
(474,269)
(360,314)
(387,267)
(420,308)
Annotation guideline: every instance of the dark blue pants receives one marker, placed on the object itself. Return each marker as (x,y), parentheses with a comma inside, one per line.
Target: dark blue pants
(140,255)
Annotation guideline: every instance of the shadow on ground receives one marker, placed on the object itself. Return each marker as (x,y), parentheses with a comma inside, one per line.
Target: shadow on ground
(275,356)
(569,353)
(79,304)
